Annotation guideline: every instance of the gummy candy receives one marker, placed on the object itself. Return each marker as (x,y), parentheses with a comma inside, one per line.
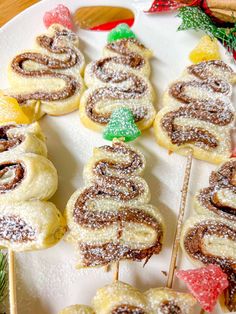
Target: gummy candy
(121,125)
(207,49)
(206,284)
(33,110)
(233,155)
(60,15)
(10,111)
(119,32)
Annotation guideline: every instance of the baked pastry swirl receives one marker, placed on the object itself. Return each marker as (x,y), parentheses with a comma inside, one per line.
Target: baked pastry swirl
(30,225)
(49,74)
(19,139)
(27,180)
(211,240)
(198,113)
(26,177)
(120,297)
(220,197)
(119,79)
(110,219)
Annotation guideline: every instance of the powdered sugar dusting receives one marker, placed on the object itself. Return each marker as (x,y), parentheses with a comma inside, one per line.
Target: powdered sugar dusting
(119,81)
(110,219)
(199,110)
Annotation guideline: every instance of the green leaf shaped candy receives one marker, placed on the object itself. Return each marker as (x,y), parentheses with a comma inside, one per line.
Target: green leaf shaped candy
(121,125)
(119,32)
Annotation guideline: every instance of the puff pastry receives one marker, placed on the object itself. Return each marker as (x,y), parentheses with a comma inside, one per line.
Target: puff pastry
(20,139)
(50,74)
(77,309)
(210,239)
(220,197)
(26,177)
(30,225)
(110,219)
(119,79)
(120,297)
(198,113)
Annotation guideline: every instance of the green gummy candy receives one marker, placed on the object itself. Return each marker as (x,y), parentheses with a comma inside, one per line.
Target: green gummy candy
(121,124)
(119,32)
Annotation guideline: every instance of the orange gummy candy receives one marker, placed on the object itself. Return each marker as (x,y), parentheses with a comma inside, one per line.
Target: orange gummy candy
(10,111)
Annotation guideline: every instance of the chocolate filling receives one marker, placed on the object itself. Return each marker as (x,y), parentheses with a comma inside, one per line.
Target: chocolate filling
(169,307)
(98,255)
(201,70)
(128,309)
(135,90)
(193,244)
(96,220)
(49,44)
(13,228)
(221,179)
(107,75)
(136,87)
(178,90)
(121,46)
(52,64)
(105,167)
(19,173)
(214,111)
(109,186)
(7,143)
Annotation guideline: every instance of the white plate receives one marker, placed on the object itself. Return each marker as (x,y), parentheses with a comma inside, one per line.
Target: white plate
(47,280)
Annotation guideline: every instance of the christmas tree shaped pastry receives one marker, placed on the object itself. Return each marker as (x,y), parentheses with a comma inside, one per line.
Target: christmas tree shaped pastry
(110,219)
(119,79)
(210,239)
(47,79)
(198,114)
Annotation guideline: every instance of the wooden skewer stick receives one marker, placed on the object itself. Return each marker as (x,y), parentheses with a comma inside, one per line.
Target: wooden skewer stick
(12,282)
(116,274)
(179,221)
(233,79)
(107,268)
(117,263)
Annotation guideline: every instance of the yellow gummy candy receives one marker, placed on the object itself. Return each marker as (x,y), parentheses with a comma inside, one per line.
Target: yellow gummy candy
(32,110)
(207,49)
(10,111)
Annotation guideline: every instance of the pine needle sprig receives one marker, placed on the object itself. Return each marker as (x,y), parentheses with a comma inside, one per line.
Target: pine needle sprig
(194,18)
(3,276)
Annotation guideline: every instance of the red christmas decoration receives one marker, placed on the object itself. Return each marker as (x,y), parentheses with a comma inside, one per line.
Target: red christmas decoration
(171,5)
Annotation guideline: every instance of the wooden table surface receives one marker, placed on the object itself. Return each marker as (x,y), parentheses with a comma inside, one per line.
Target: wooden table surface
(10,8)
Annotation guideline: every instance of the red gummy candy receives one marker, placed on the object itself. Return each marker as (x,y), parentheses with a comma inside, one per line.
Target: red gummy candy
(233,152)
(205,284)
(60,15)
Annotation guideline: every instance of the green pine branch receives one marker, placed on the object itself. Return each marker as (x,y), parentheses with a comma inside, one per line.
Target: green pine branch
(3,276)
(194,18)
